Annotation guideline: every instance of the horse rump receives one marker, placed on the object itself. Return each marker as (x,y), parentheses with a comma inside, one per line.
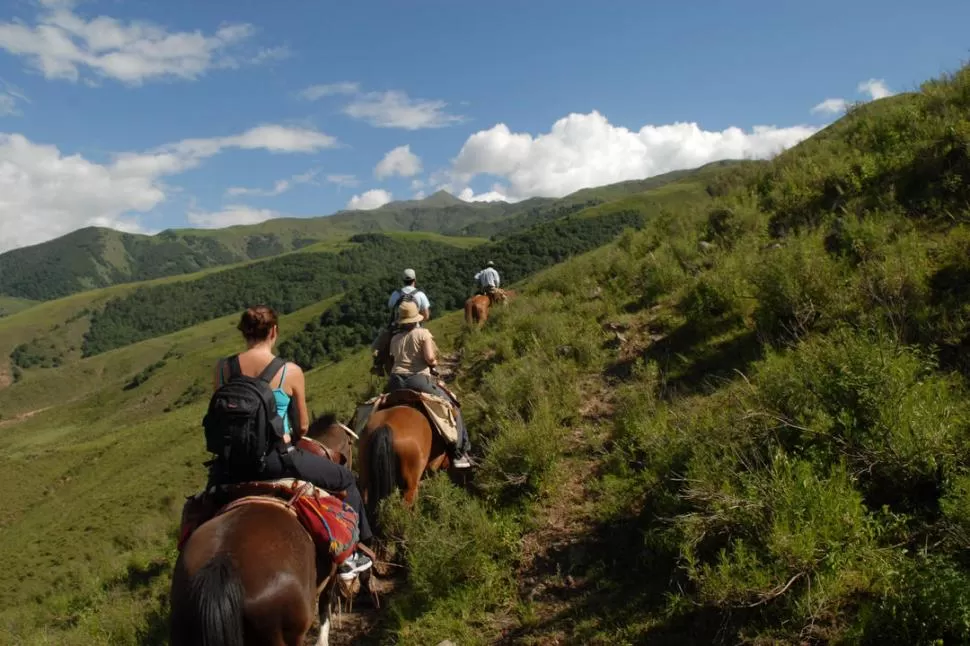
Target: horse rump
(211,612)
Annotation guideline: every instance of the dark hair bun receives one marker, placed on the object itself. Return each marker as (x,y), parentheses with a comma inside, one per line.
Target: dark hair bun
(257,322)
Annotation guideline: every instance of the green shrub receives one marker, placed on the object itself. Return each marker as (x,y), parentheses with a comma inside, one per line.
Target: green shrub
(902,427)
(798,540)
(928,602)
(454,549)
(798,289)
(520,456)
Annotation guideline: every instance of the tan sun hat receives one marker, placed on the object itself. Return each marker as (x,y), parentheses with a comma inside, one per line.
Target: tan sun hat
(408,313)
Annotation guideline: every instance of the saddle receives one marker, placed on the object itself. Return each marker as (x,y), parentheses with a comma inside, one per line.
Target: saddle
(331,523)
(439,411)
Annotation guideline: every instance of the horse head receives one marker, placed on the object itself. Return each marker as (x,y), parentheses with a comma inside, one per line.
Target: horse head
(336,438)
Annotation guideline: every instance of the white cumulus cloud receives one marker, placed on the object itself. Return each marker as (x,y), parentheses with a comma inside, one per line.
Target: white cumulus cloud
(62,44)
(395,109)
(875,88)
(369,200)
(468,195)
(830,106)
(45,193)
(232,215)
(585,150)
(400,161)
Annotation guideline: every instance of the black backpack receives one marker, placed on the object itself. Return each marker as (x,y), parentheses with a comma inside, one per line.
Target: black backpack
(242,425)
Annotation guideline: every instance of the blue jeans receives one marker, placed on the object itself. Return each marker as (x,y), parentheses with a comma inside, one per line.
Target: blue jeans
(427,384)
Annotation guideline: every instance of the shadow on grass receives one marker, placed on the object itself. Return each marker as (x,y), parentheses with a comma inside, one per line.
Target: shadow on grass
(692,357)
(612,588)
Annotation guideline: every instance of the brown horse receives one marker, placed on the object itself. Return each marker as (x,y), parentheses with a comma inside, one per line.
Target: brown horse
(251,576)
(476,310)
(476,307)
(397,446)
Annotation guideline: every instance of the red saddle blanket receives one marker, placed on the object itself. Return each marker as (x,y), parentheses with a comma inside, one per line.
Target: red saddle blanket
(331,523)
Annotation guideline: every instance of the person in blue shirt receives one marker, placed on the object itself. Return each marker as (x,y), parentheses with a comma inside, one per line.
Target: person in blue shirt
(381,345)
(488,279)
(424,305)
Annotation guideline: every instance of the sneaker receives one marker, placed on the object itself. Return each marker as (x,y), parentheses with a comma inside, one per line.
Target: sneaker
(462,462)
(355,564)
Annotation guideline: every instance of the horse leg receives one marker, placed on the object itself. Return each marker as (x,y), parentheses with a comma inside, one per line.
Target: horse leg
(326,602)
(363,469)
(410,491)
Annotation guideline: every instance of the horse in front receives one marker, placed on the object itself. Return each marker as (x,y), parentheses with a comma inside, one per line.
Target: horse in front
(258,560)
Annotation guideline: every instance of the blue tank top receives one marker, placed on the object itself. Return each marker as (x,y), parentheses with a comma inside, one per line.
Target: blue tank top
(282,402)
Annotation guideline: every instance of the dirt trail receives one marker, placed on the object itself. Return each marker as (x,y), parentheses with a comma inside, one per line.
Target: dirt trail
(552,551)
(354,622)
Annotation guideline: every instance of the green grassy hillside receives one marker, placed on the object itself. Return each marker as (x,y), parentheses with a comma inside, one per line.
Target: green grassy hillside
(10,305)
(97,257)
(743,425)
(58,332)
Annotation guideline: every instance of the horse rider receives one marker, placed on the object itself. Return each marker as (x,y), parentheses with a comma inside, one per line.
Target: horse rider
(415,368)
(260,329)
(410,291)
(424,305)
(488,280)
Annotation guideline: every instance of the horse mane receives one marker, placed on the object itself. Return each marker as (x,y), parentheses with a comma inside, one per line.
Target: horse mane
(326,419)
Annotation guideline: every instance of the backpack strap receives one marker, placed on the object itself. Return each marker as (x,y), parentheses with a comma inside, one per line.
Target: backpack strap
(272,369)
(234,368)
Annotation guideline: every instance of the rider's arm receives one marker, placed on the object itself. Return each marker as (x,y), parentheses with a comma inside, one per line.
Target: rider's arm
(295,379)
(430,351)
(426,311)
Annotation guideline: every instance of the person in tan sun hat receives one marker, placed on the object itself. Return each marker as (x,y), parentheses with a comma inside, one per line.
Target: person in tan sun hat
(415,357)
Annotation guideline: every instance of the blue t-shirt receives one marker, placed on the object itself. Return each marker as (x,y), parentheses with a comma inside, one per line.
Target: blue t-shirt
(420,299)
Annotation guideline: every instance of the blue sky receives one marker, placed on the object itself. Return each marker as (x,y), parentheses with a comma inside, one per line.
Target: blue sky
(146,115)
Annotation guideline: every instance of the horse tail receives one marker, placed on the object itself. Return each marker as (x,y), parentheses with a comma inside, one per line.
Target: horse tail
(215,604)
(469,309)
(383,469)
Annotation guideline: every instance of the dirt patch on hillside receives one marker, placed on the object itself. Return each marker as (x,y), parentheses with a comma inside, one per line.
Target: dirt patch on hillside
(21,417)
(6,379)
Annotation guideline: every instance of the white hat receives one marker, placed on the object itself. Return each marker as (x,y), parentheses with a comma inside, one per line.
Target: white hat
(490,263)
(409,274)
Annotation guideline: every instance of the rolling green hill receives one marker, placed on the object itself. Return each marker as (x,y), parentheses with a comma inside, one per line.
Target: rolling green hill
(11,305)
(97,257)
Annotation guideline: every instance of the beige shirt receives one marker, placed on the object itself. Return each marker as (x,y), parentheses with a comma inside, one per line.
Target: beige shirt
(413,352)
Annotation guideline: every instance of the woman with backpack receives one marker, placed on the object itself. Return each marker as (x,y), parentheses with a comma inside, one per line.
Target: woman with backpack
(253,453)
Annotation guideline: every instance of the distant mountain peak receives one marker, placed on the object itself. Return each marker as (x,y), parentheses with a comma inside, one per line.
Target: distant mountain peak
(441,198)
